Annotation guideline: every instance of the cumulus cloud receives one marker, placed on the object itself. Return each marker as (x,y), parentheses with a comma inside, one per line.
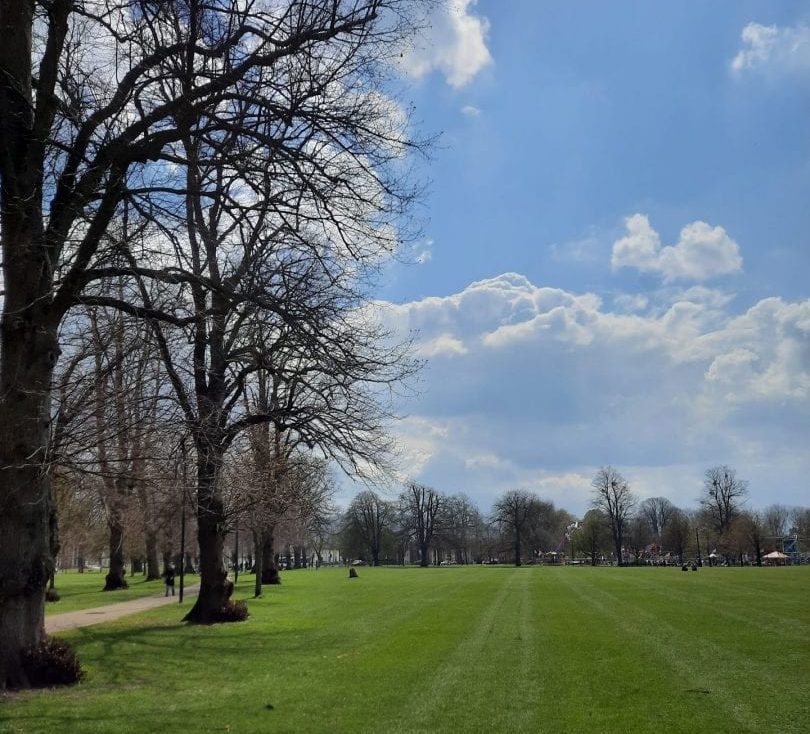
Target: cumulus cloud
(455,44)
(535,387)
(470,111)
(702,251)
(443,345)
(782,49)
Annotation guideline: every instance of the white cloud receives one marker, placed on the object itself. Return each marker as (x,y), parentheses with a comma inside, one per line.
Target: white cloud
(443,345)
(536,387)
(780,49)
(631,302)
(702,251)
(470,111)
(586,249)
(454,44)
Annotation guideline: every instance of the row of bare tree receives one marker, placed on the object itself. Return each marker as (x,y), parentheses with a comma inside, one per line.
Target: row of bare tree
(194,200)
(431,527)
(448,528)
(622,527)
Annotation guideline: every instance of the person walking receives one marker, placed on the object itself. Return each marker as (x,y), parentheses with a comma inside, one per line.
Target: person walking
(169,578)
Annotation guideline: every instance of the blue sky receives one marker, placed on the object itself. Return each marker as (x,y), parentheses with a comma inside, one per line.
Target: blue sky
(615,256)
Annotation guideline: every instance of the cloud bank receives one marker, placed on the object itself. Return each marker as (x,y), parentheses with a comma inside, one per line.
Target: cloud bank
(536,386)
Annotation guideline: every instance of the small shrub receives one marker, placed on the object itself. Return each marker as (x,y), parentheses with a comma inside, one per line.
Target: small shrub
(52,595)
(233,611)
(51,663)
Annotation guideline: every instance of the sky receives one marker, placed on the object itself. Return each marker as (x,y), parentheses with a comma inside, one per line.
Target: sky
(614,259)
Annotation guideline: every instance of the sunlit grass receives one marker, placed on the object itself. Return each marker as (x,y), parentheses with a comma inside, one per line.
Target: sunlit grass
(456,650)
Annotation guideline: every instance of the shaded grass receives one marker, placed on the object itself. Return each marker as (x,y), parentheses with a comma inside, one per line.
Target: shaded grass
(84,590)
(456,650)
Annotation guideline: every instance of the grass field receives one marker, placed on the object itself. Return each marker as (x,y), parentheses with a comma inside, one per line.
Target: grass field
(480,649)
(84,590)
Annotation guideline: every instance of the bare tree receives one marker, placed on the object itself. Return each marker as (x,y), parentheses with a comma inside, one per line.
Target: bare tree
(775,520)
(515,511)
(462,527)
(657,511)
(723,496)
(612,496)
(592,536)
(370,516)
(639,535)
(420,507)
(748,534)
(97,103)
(677,535)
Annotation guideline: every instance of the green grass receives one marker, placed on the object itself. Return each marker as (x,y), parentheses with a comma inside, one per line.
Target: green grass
(84,590)
(456,650)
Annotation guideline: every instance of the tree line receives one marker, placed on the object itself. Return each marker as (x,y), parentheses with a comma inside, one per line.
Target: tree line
(422,525)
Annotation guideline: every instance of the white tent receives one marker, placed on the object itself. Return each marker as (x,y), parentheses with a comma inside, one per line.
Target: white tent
(774,557)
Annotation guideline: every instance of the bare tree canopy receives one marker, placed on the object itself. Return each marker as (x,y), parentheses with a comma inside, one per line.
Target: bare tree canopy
(112,111)
(420,507)
(613,497)
(370,515)
(657,511)
(723,496)
(516,511)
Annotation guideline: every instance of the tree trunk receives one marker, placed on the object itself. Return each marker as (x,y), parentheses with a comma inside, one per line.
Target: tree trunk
(517,546)
(28,541)
(617,542)
(115,578)
(269,569)
(258,544)
(210,523)
(152,562)
(424,559)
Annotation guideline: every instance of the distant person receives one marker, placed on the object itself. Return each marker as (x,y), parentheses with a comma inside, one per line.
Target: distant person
(169,578)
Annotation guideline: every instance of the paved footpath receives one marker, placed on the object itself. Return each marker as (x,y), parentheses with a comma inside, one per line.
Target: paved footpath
(86,617)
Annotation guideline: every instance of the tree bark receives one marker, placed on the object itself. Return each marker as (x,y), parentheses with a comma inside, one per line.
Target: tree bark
(115,578)
(258,545)
(28,354)
(269,570)
(210,521)
(28,540)
(152,562)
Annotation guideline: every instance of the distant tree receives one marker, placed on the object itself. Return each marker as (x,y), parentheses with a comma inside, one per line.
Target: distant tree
(461,526)
(657,512)
(515,512)
(678,534)
(420,508)
(612,496)
(776,520)
(800,522)
(748,533)
(723,496)
(593,536)
(639,535)
(370,516)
